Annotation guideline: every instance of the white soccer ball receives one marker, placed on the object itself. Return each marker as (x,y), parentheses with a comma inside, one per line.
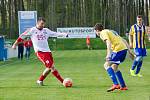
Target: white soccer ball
(67,82)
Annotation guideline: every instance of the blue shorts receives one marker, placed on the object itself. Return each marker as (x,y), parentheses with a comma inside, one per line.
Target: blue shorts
(118,57)
(140,52)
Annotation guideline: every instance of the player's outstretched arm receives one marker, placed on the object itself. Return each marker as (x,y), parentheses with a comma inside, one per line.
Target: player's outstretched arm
(24,35)
(62,34)
(56,34)
(16,43)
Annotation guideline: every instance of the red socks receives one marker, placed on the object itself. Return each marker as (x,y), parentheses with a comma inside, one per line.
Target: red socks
(57,75)
(42,77)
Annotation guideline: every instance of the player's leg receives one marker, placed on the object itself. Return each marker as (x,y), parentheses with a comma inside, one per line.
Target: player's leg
(115,59)
(143,52)
(138,53)
(19,52)
(120,57)
(22,49)
(47,59)
(139,65)
(119,77)
(43,76)
(56,74)
(137,62)
(53,69)
(88,45)
(26,52)
(112,75)
(132,70)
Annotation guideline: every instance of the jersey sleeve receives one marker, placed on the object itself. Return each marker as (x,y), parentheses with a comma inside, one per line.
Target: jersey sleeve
(131,30)
(55,34)
(104,35)
(24,35)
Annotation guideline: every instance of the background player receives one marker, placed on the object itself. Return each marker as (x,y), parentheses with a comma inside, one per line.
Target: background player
(28,45)
(88,42)
(20,49)
(39,37)
(116,53)
(137,41)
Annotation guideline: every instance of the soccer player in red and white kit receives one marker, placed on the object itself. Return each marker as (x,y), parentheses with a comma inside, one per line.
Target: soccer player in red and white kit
(39,37)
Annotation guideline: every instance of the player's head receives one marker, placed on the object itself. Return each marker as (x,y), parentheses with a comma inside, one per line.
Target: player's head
(98,28)
(40,23)
(139,20)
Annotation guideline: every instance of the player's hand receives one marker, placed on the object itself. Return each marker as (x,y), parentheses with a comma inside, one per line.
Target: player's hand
(131,55)
(131,46)
(107,58)
(67,35)
(14,46)
(64,34)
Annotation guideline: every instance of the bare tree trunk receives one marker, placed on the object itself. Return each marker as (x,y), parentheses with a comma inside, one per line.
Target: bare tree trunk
(146,13)
(3,15)
(10,12)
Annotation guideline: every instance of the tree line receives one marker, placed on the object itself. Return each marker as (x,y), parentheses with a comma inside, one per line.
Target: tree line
(114,14)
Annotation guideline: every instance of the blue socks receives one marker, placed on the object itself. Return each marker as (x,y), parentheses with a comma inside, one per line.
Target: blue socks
(139,65)
(120,78)
(134,64)
(112,75)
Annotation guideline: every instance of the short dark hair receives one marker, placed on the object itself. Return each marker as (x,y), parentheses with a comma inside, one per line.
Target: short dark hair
(98,26)
(139,16)
(41,19)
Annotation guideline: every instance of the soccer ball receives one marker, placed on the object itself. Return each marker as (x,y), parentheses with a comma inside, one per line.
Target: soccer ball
(67,82)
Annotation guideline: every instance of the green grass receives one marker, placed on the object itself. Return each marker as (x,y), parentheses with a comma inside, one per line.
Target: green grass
(76,44)
(90,80)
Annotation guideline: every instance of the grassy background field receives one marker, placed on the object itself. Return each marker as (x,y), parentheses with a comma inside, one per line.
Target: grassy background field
(90,80)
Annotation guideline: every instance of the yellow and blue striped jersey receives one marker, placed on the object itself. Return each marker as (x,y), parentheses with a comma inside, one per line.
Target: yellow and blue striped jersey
(116,41)
(138,34)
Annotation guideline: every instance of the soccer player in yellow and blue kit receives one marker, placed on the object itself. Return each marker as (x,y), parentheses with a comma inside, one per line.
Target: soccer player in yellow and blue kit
(137,41)
(117,49)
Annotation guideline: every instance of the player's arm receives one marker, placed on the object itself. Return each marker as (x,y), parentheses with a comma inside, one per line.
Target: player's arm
(105,37)
(131,54)
(146,36)
(16,43)
(127,45)
(108,44)
(24,35)
(56,34)
(62,34)
(131,37)
(131,41)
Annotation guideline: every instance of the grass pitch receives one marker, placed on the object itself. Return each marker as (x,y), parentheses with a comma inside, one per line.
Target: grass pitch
(85,68)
